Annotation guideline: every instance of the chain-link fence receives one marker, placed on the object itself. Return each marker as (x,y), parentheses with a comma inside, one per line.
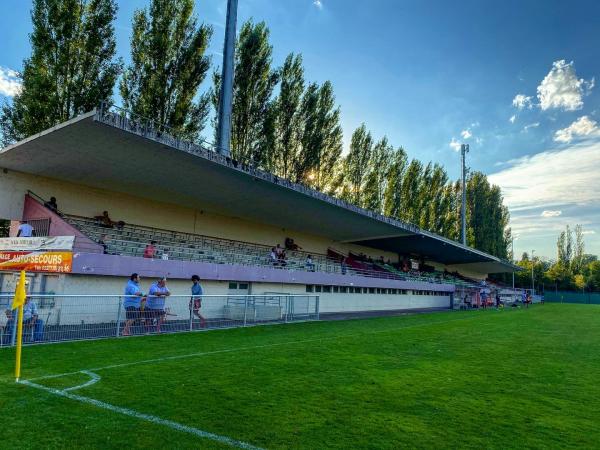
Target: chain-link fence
(53,318)
(592,298)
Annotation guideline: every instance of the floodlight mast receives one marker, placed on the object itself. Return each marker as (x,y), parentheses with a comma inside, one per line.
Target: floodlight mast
(464,149)
(226,94)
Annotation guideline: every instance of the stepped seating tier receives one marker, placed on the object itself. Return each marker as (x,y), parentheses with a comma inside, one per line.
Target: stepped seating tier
(131,240)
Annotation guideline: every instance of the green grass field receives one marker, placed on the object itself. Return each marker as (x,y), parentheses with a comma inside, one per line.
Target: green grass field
(479,379)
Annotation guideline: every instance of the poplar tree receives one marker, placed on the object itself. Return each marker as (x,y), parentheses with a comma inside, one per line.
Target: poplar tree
(361,146)
(168,65)
(392,201)
(72,67)
(254,82)
(377,177)
(327,140)
(288,121)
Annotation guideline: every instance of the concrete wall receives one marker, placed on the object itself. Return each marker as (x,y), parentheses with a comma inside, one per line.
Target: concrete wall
(213,307)
(85,201)
(379,302)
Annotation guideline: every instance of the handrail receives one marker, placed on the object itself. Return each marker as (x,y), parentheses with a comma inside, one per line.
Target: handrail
(218,239)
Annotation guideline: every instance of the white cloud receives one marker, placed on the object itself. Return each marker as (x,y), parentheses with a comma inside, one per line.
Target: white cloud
(318,4)
(454,145)
(588,232)
(552,177)
(512,118)
(531,125)
(550,213)
(466,134)
(9,82)
(562,89)
(522,101)
(584,126)
(563,180)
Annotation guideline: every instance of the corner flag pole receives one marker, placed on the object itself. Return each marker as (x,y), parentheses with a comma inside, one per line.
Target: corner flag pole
(19,344)
(19,302)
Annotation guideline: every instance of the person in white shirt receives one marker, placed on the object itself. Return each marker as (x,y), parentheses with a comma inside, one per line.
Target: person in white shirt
(25,230)
(273,257)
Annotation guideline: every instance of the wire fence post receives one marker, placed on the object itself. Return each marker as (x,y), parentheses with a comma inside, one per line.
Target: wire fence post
(287,309)
(119,317)
(317,306)
(245,309)
(192,304)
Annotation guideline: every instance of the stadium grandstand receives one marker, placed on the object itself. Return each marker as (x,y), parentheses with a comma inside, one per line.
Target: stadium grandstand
(109,194)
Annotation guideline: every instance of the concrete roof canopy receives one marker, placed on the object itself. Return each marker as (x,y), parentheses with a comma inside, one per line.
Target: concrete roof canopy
(97,149)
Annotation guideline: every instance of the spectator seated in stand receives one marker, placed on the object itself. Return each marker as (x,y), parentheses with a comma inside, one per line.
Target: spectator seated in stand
(25,230)
(104,220)
(104,244)
(150,250)
(291,245)
(165,255)
(52,205)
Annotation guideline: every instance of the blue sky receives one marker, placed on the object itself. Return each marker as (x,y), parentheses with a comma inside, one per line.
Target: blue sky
(514,79)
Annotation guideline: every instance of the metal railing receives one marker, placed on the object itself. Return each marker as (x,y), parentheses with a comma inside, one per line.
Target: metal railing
(77,317)
(130,240)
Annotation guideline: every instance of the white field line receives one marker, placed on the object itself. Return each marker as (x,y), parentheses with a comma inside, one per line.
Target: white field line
(254,347)
(94,378)
(147,417)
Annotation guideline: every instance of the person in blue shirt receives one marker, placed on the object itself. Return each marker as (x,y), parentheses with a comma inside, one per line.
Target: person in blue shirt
(31,320)
(196,301)
(132,303)
(155,305)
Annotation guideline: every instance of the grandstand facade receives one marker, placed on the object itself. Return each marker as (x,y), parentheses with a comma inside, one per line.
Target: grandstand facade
(214,217)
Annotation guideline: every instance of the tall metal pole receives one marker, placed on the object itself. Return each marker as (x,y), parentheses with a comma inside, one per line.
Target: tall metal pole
(512,250)
(532,264)
(464,148)
(226,94)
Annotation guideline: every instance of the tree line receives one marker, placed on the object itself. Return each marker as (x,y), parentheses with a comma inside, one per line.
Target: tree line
(572,269)
(281,122)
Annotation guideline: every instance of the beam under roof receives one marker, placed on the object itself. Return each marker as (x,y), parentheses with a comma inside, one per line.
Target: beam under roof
(109,151)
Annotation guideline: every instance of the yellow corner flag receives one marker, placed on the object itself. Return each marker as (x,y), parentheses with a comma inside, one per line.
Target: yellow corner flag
(20,293)
(18,302)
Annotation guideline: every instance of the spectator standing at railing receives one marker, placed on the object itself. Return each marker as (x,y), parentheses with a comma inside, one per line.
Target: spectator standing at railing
(132,303)
(273,257)
(25,230)
(196,300)
(310,266)
(51,204)
(282,258)
(30,320)
(150,250)
(155,304)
